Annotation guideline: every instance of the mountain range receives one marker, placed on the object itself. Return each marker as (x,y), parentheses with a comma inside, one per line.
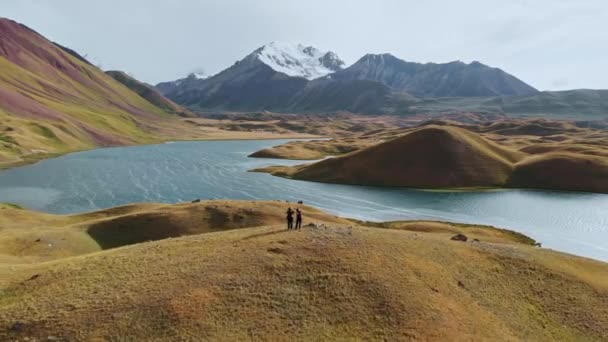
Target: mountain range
(288,77)
(292,78)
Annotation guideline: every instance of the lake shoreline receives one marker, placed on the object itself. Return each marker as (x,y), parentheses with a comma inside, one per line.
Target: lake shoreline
(188,170)
(37,157)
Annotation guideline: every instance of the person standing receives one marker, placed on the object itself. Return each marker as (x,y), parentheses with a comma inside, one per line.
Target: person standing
(298,219)
(289,218)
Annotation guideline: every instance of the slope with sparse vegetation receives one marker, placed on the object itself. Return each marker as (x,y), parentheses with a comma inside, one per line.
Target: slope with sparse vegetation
(335,279)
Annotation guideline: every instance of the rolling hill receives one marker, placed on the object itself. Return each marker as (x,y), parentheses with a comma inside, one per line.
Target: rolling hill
(333,280)
(432,156)
(53,101)
(442,154)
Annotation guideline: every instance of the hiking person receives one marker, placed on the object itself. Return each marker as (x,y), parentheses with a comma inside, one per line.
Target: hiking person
(289,218)
(298,219)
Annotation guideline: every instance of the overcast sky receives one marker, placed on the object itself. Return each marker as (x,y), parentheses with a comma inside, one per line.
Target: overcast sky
(551,44)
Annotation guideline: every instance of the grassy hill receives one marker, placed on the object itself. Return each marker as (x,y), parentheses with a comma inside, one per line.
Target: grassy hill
(53,101)
(339,280)
(149,93)
(432,156)
(562,171)
(27,236)
(447,154)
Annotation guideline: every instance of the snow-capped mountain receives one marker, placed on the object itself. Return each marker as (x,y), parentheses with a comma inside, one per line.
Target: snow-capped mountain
(199,75)
(295,78)
(297,60)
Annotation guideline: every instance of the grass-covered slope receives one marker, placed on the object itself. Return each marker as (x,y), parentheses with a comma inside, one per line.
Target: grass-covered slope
(339,281)
(149,93)
(53,101)
(432,156)
(562,171)
(443,154)
(28,236)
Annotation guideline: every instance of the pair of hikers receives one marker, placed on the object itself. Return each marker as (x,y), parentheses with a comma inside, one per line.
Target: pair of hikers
(290,213)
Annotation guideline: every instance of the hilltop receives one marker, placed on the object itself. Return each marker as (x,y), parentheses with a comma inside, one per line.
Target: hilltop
(28,236)
(337,279)
(432,156)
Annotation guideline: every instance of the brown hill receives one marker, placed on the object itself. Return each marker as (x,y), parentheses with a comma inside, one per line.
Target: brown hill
(433,156)
(562,171)
(405,281)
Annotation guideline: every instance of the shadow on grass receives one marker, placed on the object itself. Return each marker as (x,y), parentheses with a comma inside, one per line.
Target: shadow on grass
(126,231)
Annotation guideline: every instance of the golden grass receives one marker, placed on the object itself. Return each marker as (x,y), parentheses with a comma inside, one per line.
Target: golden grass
(340,281)
(28,236)
(451,155)
(431,156)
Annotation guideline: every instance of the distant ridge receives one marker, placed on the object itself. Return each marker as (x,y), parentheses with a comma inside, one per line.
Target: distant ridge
(149,93)
(455,79)
(293,78)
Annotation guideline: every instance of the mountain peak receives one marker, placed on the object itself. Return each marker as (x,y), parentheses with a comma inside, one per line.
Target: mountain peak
(298,60)
(198,75)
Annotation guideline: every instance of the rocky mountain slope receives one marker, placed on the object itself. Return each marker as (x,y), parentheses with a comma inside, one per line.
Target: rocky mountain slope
(455,79)
(269,77)
(288,78)
(294,78)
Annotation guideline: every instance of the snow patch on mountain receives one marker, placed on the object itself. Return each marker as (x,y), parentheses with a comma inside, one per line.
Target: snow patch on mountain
(297,60)
(201,75)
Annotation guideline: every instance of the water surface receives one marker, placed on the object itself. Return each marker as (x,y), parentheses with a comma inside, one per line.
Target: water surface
(175,172)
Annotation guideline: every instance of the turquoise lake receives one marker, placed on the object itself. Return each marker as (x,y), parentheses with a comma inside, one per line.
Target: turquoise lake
(572,222)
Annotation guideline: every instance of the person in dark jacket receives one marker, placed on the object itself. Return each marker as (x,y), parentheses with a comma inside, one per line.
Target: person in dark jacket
(298,219)
(289,218)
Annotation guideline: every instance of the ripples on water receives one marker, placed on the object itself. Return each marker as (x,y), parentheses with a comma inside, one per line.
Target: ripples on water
(183,171)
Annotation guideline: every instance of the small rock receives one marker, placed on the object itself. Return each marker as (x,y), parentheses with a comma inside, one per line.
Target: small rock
(38,240)
(538,244)
(460,284)
(198,200)
(275,250)
(476,240)
(300,202)
(35,276)
(459,237)
(17,326)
